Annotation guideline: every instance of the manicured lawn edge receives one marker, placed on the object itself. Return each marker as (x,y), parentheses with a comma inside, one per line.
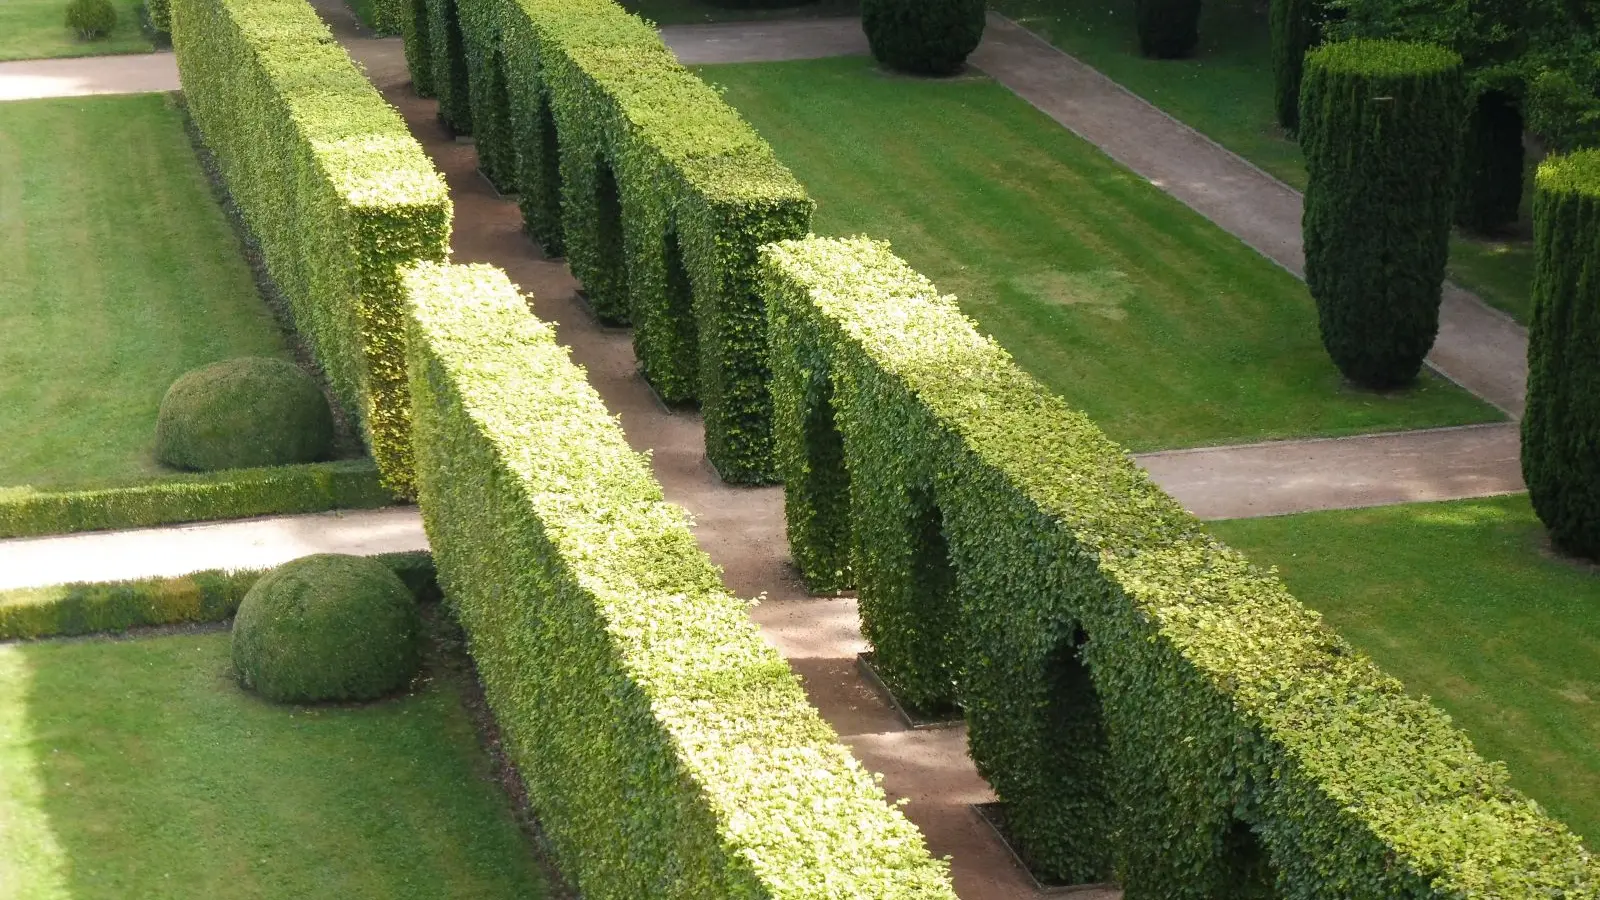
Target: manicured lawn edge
(213,595)
(231,494)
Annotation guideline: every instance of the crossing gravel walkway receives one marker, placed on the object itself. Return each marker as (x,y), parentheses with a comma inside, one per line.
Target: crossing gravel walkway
(33,79)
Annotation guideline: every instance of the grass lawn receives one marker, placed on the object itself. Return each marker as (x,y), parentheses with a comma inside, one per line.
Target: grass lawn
(1164,328)
(1225,92)
(691,12)
(119,274)
(137,768)
(1462,602)
(37,29)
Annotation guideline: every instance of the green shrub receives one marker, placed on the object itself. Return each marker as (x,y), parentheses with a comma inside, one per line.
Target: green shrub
(656,190)
(1561,427)
(418,45)
(327,627)
(490,101)
(923,37)
(448,50)
(91,20)
(235,494)
(242,413)
(1294,31)
(332,186)
(1381,125)
(210,596)
(1490,192)
(159,12)
(1141,698)
(1168,29)
(669,750)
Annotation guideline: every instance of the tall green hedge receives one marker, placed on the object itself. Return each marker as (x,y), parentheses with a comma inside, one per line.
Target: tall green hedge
(668,751)
(331,184)
(490,101)
(1294,32)
(1561,427)
(1490,193)
(923,37)
(1168,29)
(1381,125)
(448,79)
(418,45)
(159,13)
(1141,697)
(655,189)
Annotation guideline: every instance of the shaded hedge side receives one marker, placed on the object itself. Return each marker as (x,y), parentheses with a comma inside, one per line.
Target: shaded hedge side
(1561,428)
(657,191)
(331,184)
(448,79)
(668,750)
(1381,123)
(1294,32)
(230,494)
(210,596)
(1142,698)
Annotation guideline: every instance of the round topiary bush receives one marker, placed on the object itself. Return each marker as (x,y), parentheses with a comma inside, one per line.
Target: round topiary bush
(1561,428)
(91,19)
(326,627)
(242,413)
(1381,124)
(923,37)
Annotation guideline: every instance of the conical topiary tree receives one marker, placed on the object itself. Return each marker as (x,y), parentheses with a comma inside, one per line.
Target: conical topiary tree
(1168,29)
(923,37)
(1561,427)
(1381,124)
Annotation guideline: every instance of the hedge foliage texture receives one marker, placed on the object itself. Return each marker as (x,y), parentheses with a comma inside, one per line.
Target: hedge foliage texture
(668,750)
(923,37)
(1294,31)
(331,184)
(1168,29)
(1561,428)
(210,596)
(1142,699)
(1381,124)
(655,189)
(229,494)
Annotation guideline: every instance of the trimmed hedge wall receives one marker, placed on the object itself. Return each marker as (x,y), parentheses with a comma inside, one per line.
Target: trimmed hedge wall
(655,189)
(230,494)
(1381,123)
(331,184)
(1294,31)
(209,596)
(1168,29)
(668,751)
(448,79)
(1141,697)
(1561,427)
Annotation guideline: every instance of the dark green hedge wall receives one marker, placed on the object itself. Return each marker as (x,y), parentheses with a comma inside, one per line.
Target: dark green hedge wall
(668,750)
(1141,697)
(209,596)
(1168,29)
(923,37)
(1561,427)
(1381,125)
(331,184)
(418,45)
(449,80)
(1294,32)
(655,189)
(231,494)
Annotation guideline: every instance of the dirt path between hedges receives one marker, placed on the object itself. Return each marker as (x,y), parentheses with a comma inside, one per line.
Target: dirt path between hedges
(33,79)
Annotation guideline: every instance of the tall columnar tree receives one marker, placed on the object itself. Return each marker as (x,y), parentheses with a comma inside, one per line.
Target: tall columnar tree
(1490,192)
(1561,428)
(1168,29)
(1294,31)
(923,37)
(1380,123)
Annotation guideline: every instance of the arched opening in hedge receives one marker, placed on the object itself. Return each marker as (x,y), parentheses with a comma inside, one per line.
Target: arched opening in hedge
(539,179)
(453,89)
(933,583)
(611,299)
(496,153)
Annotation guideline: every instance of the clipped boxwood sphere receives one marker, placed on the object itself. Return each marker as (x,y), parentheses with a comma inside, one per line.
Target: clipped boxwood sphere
(923,37)
(242,413)
(326,627)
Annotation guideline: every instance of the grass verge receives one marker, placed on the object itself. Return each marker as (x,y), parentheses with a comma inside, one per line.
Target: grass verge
(37,29)
(1165,329)
(136,768)
(1463,602)
(1225,92)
